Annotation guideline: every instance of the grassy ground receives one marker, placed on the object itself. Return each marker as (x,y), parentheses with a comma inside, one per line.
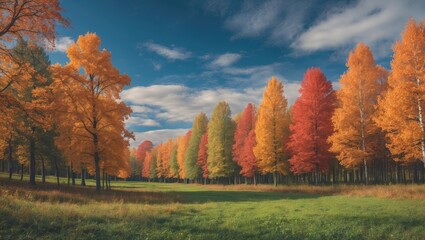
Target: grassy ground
(135,210)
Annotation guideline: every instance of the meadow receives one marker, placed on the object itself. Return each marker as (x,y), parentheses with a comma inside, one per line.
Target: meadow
(140,210)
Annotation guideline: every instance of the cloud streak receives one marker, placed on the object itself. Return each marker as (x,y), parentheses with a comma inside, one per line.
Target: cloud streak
(367,21)
(226,60)
(61,44)
(171,53)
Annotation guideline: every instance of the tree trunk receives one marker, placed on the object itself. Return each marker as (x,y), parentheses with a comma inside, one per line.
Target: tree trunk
(421,123)
(57,172)
(32,161)
(22,172)
(43,171)
(96,160)
(68,174)
(83,177)
(109,182)
(73,176)
(317,174)
(103,179)
(10,161)
(275,179)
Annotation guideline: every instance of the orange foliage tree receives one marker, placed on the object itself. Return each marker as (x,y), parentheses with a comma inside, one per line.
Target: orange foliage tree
(90,113)
(401,110)
(183,143)
(354,139)
(36,22)
(143,147)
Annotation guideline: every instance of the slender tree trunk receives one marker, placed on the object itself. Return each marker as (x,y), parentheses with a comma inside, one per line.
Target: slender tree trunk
(103,179)
(275,179)
(68,174)
(109,182)
(10,160)
(72,176)
(96,160)
(106,181)
(43,171)
(32,161)
(317,174)
(57,172)
(421,125)
(83,177)
(22,172)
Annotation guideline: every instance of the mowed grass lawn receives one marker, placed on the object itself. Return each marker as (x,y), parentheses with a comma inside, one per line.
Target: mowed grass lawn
(136,210)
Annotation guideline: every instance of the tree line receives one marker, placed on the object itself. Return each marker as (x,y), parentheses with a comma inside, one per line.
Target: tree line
(69,119)
(369,130)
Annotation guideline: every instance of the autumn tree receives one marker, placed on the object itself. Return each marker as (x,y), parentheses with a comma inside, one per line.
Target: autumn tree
(163,158)
(152,163)
(34,21)
(87,91)
(203,155)
(34,99)
(312,124)
(182,144)
(245,141)
(174,167)
(401,110)
(199,128)
(354,137)
(147,165)
(143,147)
(220,140)
(270,130)
(160,170)
(135,170)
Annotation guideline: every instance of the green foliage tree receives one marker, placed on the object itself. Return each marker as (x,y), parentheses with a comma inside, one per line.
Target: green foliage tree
(220,141)
(199,128)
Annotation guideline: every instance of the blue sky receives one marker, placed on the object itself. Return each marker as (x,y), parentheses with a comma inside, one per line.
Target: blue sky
(186,56)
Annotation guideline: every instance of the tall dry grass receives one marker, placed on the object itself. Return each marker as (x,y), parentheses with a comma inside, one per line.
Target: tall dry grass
(49,192)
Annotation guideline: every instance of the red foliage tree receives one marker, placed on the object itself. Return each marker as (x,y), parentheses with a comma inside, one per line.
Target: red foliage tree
(144,147)
(245,142)
(312,124)
(203,155)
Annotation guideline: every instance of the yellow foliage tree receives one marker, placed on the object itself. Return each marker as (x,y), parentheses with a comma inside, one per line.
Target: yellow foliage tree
(271,130)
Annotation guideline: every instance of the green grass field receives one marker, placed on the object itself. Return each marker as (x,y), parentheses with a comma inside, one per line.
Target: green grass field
(136,210)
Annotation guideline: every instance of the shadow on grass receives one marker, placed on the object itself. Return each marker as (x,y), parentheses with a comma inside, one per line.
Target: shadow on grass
(240,196)
(49,192)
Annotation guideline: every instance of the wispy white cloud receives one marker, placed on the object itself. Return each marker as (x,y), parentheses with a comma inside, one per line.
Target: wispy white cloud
(373,22)
(337,26)
(135,120)
(156,66)
(254,19)
(171,53)
(276,21)
(62,44)
(157,136)
(178,103)
(225,60)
